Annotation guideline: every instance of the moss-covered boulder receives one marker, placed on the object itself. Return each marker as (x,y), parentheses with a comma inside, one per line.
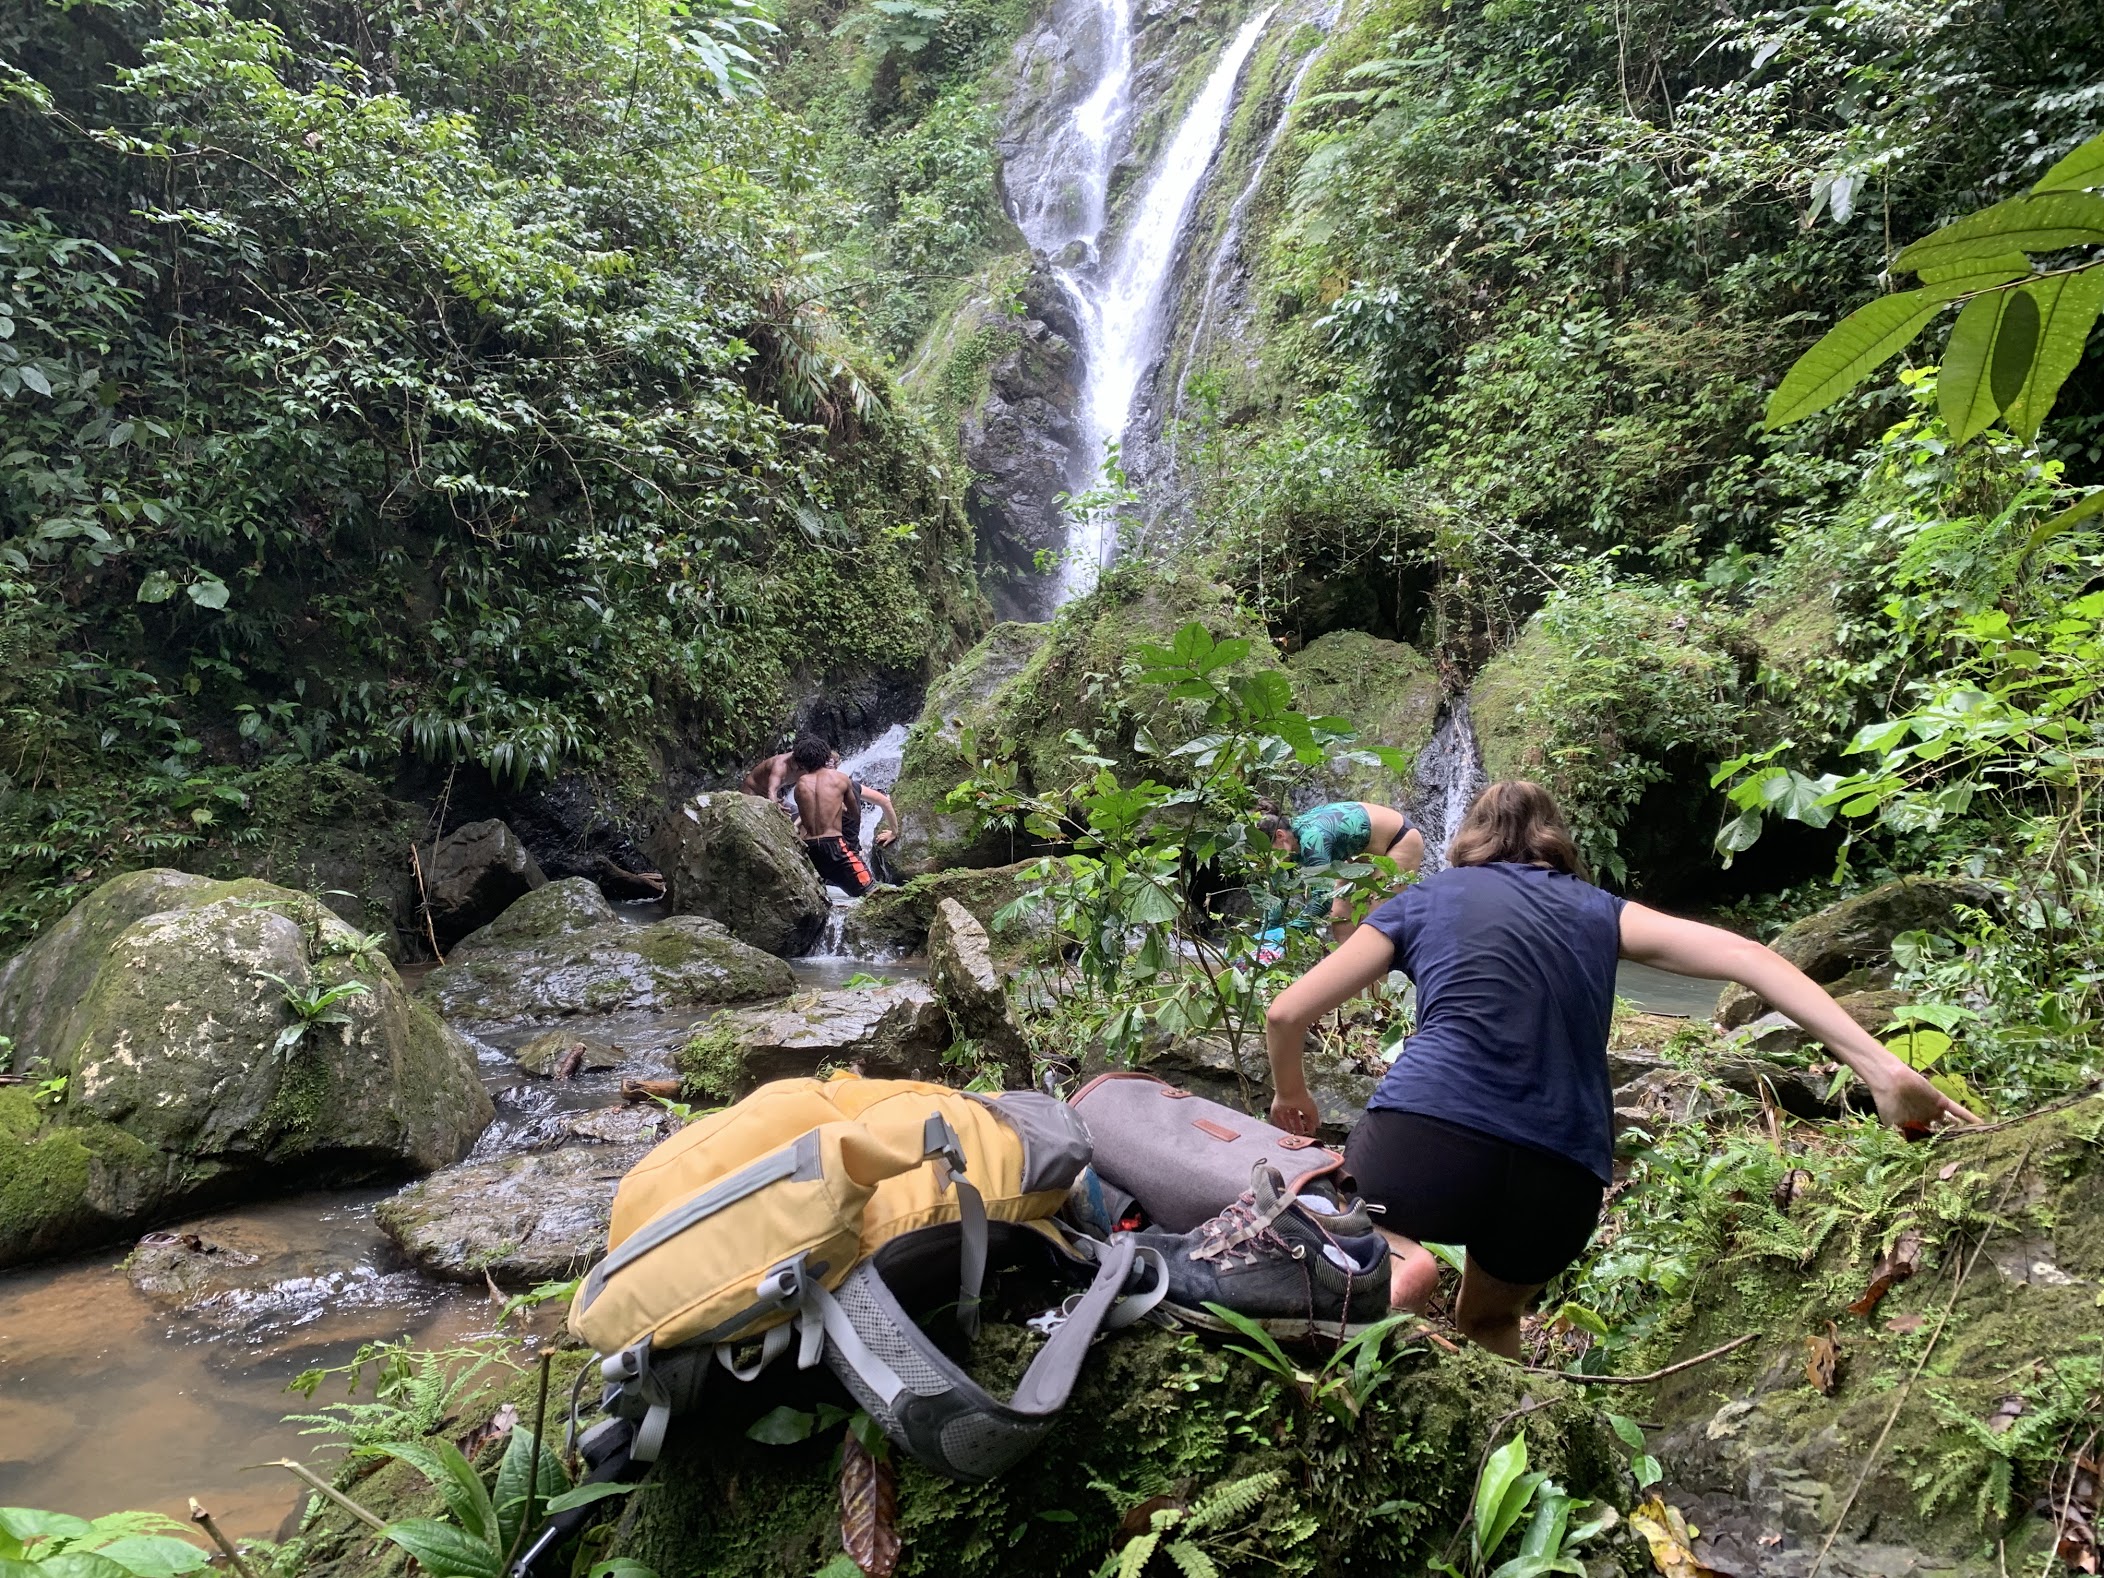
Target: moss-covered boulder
(517,1220)
(736,859)
(893,922)
(164,1001)
(1913,1460)
(1847,947)
(1387,690)
(558,1054)
(890,1032)
(561,909)
(685,961)
(1024,689)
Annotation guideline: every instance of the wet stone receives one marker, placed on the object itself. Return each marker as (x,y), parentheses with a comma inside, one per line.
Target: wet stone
(558,1054)
(631,1123)
(895,1031)
(516,1220)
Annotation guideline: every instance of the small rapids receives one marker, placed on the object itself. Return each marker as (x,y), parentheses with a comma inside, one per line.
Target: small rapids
(1449,777)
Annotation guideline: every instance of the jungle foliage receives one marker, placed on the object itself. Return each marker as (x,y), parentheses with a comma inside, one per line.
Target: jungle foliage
(383,382)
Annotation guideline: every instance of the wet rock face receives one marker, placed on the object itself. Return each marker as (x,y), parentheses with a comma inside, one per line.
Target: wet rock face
(561,909)
(557,1054)
(889,1032)
(736,859)
(161,998)
(1852,940)
(970,985)
(518,1220)
(971,696)
(684,962)
(477,872)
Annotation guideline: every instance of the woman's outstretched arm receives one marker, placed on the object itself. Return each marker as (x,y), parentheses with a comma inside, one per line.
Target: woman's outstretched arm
(1361,959)
(1903,1097)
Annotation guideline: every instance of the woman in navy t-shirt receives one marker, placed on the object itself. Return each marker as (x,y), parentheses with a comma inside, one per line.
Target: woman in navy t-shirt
(1495,1128)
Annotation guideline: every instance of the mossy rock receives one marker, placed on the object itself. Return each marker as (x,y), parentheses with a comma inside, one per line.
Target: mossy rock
(517,1220)
(561,909)
(889,1032)
(682,962)
(735,858)
(1762,1452)
(1389,693)
(161,998)
(891,922)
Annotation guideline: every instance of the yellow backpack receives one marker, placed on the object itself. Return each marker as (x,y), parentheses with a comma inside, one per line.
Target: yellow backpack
(818,1170)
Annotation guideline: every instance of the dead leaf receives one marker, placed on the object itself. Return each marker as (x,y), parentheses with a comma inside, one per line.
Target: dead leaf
(1822,1360)
(1906,1325)
(1948,1171)
(1792,1184)
(869,1515)
(496,1294)
(2006,1413)
(1672,1542)
(494,1428)
(1897,1264)
(1140,1519)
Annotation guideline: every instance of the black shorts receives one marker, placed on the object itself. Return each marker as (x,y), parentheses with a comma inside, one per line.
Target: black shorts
(840,865)
(1524,1214)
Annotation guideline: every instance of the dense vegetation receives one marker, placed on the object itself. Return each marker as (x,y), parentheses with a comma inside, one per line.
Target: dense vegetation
(387,385)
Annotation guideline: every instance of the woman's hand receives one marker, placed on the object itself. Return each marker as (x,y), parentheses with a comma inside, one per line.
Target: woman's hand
(1294,1111)
(1909,1102)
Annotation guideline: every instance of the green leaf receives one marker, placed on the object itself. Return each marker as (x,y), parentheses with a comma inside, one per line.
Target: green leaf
(1584,1319)
(2067,307)
(27,1523)
(1849,352)
(208,591)
(2074,515)
(2080,169)
(153,1555)
(1963,393)
(1973,274)
(157,587)
(1627,1430)
(33,378)
(783,1426)
(1920,1050)
(1273,1354)
(2017,224)
(513,1470)
(2015,344)
(453,1476)
(1496,1510)
(626,1567)
(584,1496)
(444,1551)
(77,1564)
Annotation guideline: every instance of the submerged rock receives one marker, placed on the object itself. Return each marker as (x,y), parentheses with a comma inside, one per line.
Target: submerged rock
(736,859)
(631,1123)
(567,954)
(969,985)
(162,999)
(889,1031)
(518,1220)
(548,1053)
(1851,941)
(477,872)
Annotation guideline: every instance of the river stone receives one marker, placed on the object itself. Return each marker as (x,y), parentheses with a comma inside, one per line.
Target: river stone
(887,1031)
(961,969)
(518,1220)
(561,909)
(1856,935)
(476,873)
(546,1051)
(154,997)
(181,1268)
(736,859)
(894,922)
(683,962)
(631,1123)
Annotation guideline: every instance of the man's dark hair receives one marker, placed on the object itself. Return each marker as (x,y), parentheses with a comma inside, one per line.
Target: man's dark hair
(810,752)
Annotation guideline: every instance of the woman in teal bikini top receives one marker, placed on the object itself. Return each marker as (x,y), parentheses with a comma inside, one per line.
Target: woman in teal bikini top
(1344,830)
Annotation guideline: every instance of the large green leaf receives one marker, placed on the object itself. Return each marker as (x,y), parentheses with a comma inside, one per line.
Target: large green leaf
(2017,224)
(2015,346)
(2082,168)
(27,1523)
(1502,1475)
(458,1485)
(1849,352)
(585,1495)
(2067,306)
(79,1564)
(510,1492)
(1963,392)
(153,1555)
(443,1551)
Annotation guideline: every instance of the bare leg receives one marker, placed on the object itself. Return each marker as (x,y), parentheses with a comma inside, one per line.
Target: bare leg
(1488,1312)
(1413,1273)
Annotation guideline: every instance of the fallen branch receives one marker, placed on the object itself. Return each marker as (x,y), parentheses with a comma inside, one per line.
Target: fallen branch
(300,1470)
(416,864)
(1647,1379)
(203,1520)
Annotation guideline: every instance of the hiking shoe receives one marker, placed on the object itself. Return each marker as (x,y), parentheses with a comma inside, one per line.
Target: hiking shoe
(1283,1262)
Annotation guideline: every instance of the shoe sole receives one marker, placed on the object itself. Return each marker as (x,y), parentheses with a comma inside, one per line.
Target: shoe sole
(1287,1327)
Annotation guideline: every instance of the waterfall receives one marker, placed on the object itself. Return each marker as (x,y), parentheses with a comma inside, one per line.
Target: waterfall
(1230,246)
(1059,192)
(877,764)
(1121,300)
(1449,777)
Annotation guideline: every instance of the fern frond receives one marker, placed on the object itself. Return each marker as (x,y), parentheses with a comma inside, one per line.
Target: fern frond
(1132,1561)
(1231,1500)
(1191,1561)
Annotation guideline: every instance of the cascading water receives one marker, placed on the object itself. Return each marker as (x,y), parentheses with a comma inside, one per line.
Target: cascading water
(1449,777)
(1059,191)
(877,765)
(1121,300)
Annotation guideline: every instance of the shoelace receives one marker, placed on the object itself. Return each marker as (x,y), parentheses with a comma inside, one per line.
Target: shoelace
(1232,1237)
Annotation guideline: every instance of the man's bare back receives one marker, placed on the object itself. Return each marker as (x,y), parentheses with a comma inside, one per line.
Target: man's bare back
(770,776)
(822,800)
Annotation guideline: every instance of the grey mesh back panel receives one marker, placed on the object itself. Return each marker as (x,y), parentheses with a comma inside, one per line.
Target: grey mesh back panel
(1184,1158)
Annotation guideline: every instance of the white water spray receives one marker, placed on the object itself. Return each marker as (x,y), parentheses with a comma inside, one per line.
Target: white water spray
(1121,304)
(1449,777)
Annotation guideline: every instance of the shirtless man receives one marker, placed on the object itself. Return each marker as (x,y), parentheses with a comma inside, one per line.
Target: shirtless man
(825,801)
(772,775)
(1344,831)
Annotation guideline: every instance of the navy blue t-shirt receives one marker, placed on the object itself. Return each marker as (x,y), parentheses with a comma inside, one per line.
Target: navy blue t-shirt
(1515,973)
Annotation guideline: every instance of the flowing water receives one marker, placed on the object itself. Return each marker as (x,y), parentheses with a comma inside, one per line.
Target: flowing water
(1449,777)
